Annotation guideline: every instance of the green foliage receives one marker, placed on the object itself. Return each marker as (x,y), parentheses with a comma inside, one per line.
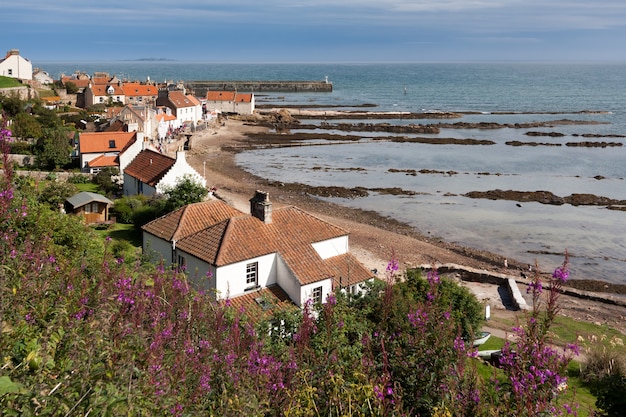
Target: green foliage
(465,308)
(12,105)
(71,88)
(124,208)
(56,192)
(53,150)
(26,126)
(611,393)
(186,191)
(21,148)
(106,180)
(79,179)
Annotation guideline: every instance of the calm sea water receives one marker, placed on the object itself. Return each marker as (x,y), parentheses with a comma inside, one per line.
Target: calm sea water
(594,236)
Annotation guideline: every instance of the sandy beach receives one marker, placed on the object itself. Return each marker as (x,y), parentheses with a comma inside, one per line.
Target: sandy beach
(373,239)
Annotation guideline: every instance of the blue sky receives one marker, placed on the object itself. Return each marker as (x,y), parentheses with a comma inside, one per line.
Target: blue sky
(278,31)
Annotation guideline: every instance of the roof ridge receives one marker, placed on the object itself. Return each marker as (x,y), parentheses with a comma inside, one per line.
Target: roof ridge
(227,231)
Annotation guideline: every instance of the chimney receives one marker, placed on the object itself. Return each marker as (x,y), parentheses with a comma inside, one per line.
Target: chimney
(261,207)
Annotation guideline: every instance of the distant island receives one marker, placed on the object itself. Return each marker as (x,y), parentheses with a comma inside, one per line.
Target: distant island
(152,59)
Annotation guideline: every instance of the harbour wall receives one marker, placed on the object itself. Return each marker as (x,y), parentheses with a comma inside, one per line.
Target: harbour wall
(200,88)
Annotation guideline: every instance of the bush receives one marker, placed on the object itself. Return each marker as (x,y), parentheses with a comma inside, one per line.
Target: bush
(79,179)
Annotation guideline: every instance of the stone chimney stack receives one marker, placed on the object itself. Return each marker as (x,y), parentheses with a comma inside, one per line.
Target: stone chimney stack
(261,206)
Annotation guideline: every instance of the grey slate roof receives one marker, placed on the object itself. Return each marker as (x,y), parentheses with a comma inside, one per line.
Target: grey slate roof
(85,197)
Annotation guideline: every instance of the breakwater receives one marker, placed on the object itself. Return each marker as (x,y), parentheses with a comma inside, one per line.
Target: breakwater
(200,88)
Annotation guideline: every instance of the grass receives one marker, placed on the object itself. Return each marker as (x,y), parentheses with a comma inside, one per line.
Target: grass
(9,82)
(90,186)
(123,232)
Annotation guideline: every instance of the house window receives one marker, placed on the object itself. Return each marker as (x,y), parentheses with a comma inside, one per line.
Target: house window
(10,71)
(252,274)
(112,144)
(181,261)
(317,295)
(101,99)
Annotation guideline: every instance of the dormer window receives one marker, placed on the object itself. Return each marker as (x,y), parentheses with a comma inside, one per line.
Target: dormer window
(112,144)
(110,90)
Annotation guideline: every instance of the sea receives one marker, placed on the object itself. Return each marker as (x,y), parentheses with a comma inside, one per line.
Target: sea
(502,92)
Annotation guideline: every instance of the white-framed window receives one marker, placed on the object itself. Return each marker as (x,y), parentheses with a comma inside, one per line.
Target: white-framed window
(317,295)
(252,274)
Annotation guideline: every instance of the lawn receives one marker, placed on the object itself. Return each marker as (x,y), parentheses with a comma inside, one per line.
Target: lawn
(8,82)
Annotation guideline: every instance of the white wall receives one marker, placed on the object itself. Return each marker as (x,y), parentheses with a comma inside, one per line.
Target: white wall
(288,282)
(16,67)
(307,290)
(160,248)
(332,247)
(131,152)
(177,171)
(231,279)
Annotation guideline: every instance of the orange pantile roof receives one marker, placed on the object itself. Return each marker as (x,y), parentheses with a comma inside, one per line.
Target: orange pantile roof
(291,234)
(104,161)
(243,98)
(163,117)
(137,89)
(77,83)
(95,142)
(100,80)
(101,90)
(113,111)
(190,219)
(261,303)
(229,96)
(149,167)
(348,270)
(220,95)
(179,100)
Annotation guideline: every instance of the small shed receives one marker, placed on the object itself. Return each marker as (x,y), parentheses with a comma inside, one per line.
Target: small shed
(93,207)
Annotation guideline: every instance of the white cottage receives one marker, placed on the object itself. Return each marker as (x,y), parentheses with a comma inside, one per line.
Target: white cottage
(15,66)
(236,254)
(152,172)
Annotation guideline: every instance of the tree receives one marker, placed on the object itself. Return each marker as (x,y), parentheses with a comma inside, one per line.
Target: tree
(53,150)
(26,126)
(186,191)
(57,192)
(71,88)
(106,181)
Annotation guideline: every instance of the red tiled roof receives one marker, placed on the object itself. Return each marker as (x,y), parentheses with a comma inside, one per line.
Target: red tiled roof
(104,161)
(190,219)
(101,90)
(77,83)
(179,100)
(137,89)
(348,270)
(229,96)
(220,95)
(149,167)
(243,98)
(165,117)
(94,142)
(262,302)
(291,233)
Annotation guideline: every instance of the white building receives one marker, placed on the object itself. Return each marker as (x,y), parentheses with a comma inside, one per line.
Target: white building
(236,254)
(151,173)
(15,66)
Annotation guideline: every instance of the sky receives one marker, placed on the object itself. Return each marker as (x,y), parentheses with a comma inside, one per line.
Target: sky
(320,31)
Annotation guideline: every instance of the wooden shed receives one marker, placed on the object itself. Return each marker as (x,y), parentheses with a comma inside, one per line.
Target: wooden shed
(93,207)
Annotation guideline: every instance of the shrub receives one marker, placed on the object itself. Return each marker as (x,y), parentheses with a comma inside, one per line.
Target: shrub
(79,179)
